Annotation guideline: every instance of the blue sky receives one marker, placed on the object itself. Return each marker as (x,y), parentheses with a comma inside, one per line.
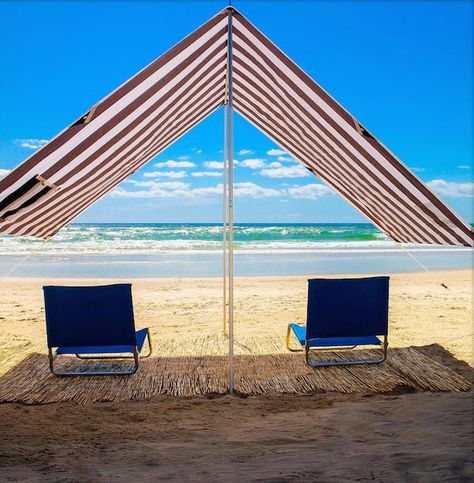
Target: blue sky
(404,69)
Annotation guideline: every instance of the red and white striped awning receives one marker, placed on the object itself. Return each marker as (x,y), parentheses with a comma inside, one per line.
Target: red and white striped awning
(118,135)
(166,99)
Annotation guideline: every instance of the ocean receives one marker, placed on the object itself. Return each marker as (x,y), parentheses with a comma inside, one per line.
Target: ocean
(136,250)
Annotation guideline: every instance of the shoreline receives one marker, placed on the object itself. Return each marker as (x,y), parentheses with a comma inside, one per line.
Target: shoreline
(249,277)
(179,265)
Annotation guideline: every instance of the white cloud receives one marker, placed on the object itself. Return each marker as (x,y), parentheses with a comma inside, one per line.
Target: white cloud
(452,189)
(175,164)
(417,170)
(210,190)
(276,152)
(196,150)
(159,184)
(154,189)
(177,189)
(214,164)
(200,174)
(241,190)
(31,143)
(464,166)
(311,191)
(251,190)
(275,164)
(165,174)
(286,172)
(253,163)
(170,189)
(244,152)
(3,172)
(153,193)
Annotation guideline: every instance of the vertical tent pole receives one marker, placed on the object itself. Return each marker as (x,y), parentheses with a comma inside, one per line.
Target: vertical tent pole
(224,215)
(230,154)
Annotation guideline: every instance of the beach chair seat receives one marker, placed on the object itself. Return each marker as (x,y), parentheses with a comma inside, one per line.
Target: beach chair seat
(93,323)
(343,314)
(79,351)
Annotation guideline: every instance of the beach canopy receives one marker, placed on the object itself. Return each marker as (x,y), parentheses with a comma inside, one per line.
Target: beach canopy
(167,98)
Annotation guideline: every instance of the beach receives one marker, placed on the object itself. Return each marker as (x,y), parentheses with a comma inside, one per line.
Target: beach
(185,316)
(395,437)
(222,174)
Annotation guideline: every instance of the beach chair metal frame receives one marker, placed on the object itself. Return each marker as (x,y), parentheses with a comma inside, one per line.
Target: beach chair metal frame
(52,357)
(136,355)
(327,363)
(101,324)
(376,288)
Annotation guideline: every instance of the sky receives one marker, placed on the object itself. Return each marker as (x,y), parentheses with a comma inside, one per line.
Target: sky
(403,69)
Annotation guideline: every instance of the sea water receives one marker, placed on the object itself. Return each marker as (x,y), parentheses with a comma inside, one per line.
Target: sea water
(135,250)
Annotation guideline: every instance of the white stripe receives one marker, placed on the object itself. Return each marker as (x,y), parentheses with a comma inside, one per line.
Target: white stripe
(19,201)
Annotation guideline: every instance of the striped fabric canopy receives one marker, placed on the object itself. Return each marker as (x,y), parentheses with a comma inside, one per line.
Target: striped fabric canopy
(178,90)
(118,135)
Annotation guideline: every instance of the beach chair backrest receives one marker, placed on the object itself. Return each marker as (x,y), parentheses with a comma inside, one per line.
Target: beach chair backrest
(347,307)
(89,316)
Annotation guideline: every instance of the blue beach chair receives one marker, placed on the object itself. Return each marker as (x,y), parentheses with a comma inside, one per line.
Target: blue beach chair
(93,323)
(344,314)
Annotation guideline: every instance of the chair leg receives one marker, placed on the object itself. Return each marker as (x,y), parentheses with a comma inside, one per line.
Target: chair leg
(90,373)
(288,339)
(150,345)
(51,357)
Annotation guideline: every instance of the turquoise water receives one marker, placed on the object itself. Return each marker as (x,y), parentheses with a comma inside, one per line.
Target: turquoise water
(158,238)
(131,250)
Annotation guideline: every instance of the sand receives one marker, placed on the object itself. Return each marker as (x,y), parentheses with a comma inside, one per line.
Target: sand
(185,315)
(397,437)
(414,437)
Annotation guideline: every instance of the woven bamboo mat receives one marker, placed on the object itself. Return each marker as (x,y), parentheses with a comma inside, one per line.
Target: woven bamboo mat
(30,382)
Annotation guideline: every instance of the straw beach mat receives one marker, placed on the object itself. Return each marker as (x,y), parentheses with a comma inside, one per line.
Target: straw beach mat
(30,382)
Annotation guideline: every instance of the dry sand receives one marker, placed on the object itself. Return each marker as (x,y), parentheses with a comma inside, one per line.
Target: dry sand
(403,437)
(185,315)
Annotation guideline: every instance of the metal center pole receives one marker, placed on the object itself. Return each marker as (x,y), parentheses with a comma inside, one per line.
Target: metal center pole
(230,154)
(224,216)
